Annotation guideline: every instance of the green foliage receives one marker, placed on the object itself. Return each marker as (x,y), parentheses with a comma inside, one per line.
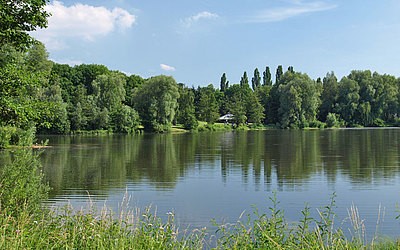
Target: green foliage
(348,100)
(186,111)
(77,119)
(264,96)
(267,79)
(10,55)
(132,83)
(244,104)
(378,123)
(85,75)
(21,184)
(244,81)
(317,124)
(237,103)
(273,231)
(18,97)
(68,228)
(224,83)
(278,75)
(18,18)
(271,106)
(22,79)
(208,105)
(5,135)
(156,101)
(328,96)
(255,111)
(333,120)
(214,127)
(27,227)
(256,80)
(24,137)
(111,90)
(37,58)
(298,100)
(124,119)
(10,135)
(58,119)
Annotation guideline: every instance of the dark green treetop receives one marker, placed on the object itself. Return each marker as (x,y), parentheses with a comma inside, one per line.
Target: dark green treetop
(256,80)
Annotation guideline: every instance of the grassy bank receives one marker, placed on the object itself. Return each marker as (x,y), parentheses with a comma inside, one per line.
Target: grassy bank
(66,228)
(25,224)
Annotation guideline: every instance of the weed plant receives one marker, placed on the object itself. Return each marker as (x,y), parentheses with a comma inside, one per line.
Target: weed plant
(25,224)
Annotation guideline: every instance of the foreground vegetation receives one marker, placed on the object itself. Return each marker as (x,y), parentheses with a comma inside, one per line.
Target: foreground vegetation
(25,224)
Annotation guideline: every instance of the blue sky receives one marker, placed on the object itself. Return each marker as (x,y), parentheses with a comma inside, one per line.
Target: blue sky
(197,41)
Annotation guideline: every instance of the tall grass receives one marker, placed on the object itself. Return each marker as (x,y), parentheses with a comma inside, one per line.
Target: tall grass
(24,224)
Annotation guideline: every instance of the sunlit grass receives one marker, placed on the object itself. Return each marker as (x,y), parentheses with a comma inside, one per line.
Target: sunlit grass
(100,228)
(24,224)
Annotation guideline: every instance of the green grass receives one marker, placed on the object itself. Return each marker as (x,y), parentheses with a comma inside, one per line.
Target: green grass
(92,228)
(25,224)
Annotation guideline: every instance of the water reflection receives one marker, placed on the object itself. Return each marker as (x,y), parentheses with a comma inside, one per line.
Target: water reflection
(217,175)
(294,157)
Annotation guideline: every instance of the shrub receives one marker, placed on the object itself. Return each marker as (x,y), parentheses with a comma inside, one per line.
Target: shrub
(5,136)
(21,183)
(378,123)
(318,124)
(24,137)
(334,120)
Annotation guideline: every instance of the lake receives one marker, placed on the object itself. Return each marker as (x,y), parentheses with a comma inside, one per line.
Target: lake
(203,176)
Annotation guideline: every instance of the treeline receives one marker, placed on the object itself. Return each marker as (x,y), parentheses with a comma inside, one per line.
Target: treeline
(58,98)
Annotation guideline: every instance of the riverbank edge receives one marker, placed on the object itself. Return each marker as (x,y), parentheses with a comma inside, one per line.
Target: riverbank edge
(26,224)
(100,228)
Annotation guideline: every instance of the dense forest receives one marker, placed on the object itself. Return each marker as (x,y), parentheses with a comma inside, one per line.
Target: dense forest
(59,99)
(36,93)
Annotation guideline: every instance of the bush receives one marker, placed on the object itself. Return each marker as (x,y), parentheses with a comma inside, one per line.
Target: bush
(125,119)
(17,136)
(5,136)
(318,124)
(24,137)
(334,120)
(21,183)
(241,128)
(378,123)
(190,122)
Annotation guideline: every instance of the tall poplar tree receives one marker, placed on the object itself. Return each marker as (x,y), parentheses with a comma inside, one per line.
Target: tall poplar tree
(256,80)
(279,73)
(244,81)
(224,83)
(267,80)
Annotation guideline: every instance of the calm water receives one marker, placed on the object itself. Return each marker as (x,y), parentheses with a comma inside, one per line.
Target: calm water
(219,175)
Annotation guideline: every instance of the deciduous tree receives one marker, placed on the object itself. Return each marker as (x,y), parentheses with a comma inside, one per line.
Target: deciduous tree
(156,101)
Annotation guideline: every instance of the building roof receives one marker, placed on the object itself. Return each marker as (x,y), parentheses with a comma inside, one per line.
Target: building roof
(227,117)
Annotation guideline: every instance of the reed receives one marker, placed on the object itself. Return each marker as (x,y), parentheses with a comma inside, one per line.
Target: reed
(100,228)
(24,224)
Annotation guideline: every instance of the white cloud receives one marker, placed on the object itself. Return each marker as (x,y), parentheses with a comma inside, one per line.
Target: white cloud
(196,18)
(82,21)
(126,73)
(67,61)
(282,13)
(167,68)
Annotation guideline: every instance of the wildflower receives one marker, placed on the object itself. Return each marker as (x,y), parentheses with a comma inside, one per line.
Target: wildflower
(18,231)
(170,213)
